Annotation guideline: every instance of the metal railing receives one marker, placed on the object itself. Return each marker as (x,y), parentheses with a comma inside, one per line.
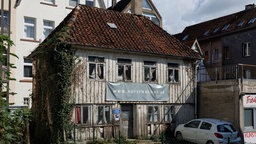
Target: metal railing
(227,72)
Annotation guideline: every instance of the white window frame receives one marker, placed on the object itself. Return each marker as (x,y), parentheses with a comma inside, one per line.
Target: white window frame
(124,68)
(151,17)
(172,70)
(98,73)
(246,49)
(47,28)
(27,64)
(152,73)
(31,25)
(93,3)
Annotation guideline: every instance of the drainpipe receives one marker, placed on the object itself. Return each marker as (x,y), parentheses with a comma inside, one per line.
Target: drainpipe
(196,88)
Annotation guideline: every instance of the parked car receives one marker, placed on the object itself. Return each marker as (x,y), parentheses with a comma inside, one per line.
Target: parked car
(207,131)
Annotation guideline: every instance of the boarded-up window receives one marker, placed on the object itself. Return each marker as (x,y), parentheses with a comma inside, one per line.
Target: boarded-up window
(226,53)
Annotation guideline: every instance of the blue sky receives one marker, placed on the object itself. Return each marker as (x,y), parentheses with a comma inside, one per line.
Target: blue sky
(177,14)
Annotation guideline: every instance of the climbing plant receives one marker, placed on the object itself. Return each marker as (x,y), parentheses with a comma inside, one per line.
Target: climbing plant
(51,110)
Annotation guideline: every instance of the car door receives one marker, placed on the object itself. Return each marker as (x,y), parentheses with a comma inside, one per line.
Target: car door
(190,130)
(204,133)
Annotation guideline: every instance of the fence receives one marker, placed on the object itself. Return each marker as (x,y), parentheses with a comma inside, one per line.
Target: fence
(227,72)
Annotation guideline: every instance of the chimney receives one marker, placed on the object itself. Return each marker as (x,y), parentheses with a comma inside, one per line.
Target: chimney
(249,6)
(113,3)
(136,7)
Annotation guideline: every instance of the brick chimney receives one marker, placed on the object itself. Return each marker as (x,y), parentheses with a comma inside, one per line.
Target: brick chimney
(249,6)
(136,7)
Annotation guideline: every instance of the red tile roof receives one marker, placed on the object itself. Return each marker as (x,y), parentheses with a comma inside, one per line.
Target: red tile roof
(230,21)
(89,28)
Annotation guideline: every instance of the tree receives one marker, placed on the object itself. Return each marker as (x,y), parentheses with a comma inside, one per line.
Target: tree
(13,124)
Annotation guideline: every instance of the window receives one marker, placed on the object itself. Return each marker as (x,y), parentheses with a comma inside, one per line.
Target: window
(26,101)
(215,54)
(226,53)
(252,20)
(5,20)
(249,118)
(247,74)
(73,3)
(50,1)
(216,29)
(169,112)
(205,126)
(151,17)
(226,27)
(27,72)
(30,28)
(193,124)
(89,3)
(240,23)
(124,69)
(185,37)
(149,71)
(104,115)
(48,27)
(96,67)
(206,32)
(82,115)
(246,49)
(153,114)
(173,72)
(145,5)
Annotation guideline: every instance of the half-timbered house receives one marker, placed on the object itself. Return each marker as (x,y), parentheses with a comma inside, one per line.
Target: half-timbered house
(129,75)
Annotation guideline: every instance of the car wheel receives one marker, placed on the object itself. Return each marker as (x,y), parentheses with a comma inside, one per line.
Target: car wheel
(179,136)
(209,142)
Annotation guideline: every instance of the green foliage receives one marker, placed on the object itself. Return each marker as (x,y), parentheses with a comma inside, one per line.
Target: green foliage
(13,124)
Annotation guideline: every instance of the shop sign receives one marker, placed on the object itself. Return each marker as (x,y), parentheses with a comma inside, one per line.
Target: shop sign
(249,100)
(250,137)
(136,92)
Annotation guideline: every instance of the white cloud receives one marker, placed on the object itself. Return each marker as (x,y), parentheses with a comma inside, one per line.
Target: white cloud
(177,14)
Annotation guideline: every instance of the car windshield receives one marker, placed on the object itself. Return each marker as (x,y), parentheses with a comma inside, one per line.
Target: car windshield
(225,128)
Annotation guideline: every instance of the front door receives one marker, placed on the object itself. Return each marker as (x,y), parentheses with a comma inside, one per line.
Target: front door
(127,120)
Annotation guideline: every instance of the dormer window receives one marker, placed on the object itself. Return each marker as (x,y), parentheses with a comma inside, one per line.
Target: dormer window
(240,23)
(226,27)
(252,20)
(185,37)
(216,29)
(145,5)
(206,32)
(89,3)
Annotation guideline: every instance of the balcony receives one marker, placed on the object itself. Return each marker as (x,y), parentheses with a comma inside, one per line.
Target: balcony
(228,72)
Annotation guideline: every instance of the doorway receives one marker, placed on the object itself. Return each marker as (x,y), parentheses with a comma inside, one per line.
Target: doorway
(127,120)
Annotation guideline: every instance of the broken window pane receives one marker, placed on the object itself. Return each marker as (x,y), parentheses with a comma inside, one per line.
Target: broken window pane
(124,69)
(96,67)
(149,71)
(173,72)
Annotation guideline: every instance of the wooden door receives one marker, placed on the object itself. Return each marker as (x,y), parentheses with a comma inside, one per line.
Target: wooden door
(127,121)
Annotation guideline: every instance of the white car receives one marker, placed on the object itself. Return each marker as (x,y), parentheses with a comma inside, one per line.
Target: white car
(207,131)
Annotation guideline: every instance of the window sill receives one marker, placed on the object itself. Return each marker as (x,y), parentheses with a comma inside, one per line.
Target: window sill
(30,40)
(49,4)
(70,8)
(26,80)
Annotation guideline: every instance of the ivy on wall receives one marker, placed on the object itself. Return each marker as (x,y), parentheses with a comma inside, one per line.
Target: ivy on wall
(52,102)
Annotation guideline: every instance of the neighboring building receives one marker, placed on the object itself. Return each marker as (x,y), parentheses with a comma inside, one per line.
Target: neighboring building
(29,26)
(31,22)
(140,7)
(228,44)
(124,64)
